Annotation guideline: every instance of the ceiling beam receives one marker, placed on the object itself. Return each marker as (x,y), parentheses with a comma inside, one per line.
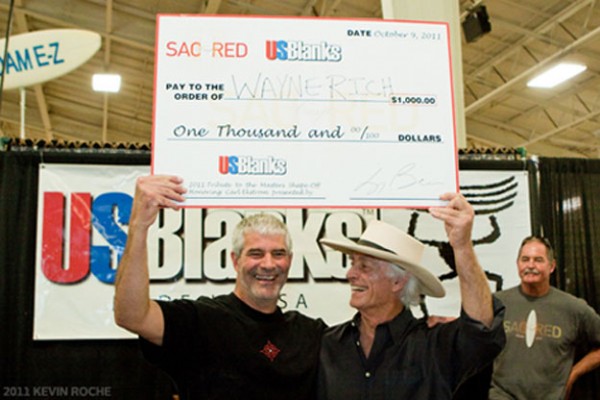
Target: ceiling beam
(476,105)
(329,11)
(515,47)
(483,141)
(62,23)
(536,35)
(562,128)
(319,7)
(522,133)
(553,102)
(250,7)
(212,6)
(308,7)
(576,143)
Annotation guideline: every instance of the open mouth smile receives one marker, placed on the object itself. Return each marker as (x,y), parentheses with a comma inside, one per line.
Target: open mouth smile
(355,288)
(267,278)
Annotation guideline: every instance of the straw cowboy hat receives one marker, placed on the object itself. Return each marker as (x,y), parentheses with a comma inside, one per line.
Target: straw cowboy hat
(386,242)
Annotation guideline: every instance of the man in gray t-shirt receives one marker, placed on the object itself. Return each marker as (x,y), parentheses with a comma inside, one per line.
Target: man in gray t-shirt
(543,326)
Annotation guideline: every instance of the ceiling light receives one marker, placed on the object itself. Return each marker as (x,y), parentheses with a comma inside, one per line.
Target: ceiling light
(106,82)
(556,75)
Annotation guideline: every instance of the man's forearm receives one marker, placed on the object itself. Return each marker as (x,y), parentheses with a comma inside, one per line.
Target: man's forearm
(132,298)
(474,288)
(458,217)
(588,363)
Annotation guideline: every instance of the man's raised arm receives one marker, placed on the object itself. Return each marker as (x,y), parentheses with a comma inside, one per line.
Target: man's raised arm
(133,308)
(475,292)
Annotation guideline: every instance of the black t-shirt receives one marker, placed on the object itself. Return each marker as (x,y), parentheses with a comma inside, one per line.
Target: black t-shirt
(222,349)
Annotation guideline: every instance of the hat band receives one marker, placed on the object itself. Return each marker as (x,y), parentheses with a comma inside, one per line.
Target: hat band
(374,245)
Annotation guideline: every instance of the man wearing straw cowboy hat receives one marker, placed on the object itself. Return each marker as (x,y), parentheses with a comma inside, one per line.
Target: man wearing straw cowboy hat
(384,352)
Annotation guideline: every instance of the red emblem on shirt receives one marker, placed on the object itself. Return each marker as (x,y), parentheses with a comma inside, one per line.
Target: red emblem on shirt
(270,350)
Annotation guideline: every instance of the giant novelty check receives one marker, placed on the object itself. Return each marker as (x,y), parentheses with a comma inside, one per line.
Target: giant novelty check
(292,112)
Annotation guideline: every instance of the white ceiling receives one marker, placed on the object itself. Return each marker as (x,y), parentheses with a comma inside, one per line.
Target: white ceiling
(501,112)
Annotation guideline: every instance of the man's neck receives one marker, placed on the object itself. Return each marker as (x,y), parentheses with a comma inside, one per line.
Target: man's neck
(370,319)
(535,290)
(264,306)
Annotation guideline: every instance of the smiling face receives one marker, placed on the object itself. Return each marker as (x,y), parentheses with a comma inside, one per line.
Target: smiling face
(535,267)
(374,290)
(262,268)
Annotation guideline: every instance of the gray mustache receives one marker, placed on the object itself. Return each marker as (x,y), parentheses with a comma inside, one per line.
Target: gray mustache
(531,271)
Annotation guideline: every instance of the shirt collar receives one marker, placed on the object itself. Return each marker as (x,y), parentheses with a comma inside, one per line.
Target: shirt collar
(398,327)
(401,325)
(252,313)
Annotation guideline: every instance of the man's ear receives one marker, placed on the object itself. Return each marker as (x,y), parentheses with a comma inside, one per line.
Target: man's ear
(553,267)
(399,283)
(234,259)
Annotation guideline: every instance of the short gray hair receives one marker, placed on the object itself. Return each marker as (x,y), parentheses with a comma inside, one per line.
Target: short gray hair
(410,294)
(539,239)
(262,223)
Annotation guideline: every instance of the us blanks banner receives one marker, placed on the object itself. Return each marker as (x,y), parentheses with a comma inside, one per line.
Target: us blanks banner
(82,226)
(304,112)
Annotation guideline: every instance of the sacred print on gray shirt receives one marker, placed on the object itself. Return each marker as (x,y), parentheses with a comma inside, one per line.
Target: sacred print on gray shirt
(542,334)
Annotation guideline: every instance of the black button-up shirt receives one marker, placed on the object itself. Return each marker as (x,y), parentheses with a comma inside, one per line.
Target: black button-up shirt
(408,360)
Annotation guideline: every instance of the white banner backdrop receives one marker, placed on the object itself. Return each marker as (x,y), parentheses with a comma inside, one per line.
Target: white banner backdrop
(83,213)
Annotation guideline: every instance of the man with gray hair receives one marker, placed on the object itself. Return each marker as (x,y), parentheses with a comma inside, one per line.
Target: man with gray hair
(384,352)
(235,346)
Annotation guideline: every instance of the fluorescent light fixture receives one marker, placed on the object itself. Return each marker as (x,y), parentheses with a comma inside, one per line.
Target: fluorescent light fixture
(106,83)
(556,75)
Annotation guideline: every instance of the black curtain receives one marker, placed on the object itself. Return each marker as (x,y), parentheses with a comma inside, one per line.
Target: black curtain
(570,216)
(28,367)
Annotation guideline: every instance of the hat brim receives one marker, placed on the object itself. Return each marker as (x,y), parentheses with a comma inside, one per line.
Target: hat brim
(430,284)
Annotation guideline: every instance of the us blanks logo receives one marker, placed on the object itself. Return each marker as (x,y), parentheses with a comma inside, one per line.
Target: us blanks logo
(248,165)
(296,50)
